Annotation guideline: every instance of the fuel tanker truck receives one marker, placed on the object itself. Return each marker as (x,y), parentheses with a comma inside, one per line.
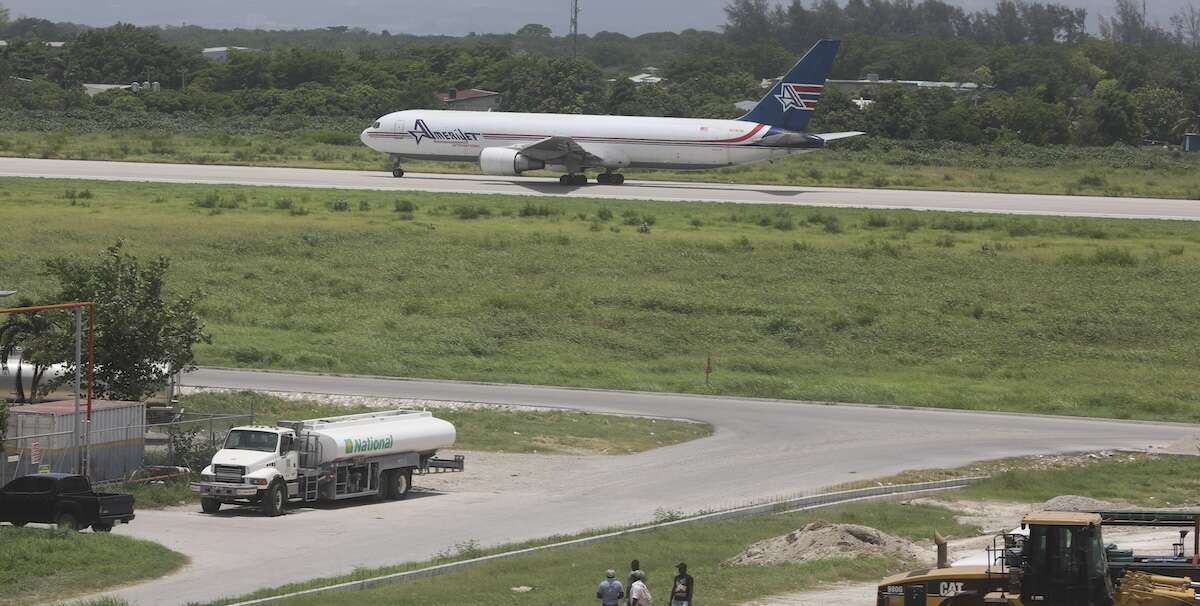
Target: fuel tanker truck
(329,459)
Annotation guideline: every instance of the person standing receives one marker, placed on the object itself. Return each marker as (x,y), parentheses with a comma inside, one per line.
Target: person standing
(682,587)
(635,568)
(610,590)
(639,594)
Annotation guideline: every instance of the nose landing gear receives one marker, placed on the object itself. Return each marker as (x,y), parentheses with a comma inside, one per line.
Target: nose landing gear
(397,172)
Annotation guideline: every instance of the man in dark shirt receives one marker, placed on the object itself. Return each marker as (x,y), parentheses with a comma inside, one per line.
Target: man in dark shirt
(682,587)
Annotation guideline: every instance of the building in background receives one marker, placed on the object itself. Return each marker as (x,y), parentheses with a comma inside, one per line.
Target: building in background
(471,99)
(221,53)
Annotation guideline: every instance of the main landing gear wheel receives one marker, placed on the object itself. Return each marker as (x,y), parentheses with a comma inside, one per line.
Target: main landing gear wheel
(576,179)
(610,178)
(397,172)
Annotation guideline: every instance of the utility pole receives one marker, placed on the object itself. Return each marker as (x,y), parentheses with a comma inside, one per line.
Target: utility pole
(574,29)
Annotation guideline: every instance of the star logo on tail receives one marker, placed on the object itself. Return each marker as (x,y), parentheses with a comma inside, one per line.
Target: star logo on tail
(799,96)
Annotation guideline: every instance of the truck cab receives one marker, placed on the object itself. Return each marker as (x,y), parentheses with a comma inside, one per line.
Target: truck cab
(256,463)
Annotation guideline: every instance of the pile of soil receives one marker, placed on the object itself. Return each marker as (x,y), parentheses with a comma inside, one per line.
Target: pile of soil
(823,541)
(1070,502)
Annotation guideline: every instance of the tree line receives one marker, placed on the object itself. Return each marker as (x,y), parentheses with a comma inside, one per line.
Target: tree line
(1046,78)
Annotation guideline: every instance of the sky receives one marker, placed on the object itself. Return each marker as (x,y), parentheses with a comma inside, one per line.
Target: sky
(455,17)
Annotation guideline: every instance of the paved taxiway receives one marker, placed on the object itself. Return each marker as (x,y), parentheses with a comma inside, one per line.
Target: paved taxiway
(761,449)
(1093,206)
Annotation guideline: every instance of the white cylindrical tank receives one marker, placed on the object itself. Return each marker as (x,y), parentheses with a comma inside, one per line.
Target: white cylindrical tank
(379,433)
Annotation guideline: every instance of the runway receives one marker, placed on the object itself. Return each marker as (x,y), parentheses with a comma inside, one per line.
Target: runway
(761,449)
(1030,204)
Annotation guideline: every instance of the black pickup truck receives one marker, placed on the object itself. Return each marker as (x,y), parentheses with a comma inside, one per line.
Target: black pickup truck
(63,499)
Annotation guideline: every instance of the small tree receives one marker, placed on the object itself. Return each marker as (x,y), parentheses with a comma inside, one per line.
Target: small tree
(143,335)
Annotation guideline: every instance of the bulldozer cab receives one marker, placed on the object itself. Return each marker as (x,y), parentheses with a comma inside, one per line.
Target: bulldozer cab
(1064,561)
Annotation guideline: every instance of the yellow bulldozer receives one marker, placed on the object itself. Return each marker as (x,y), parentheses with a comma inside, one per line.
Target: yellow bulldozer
(1060,562)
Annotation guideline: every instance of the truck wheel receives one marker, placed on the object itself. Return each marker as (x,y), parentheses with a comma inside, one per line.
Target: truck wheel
(19,524)
(67,521)
(210,505)
(102,527)
(398,483)
(273,500)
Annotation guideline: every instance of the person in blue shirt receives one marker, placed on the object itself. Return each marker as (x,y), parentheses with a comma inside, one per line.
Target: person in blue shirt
(610,590)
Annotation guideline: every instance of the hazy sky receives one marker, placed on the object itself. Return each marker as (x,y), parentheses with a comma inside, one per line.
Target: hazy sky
(432,17)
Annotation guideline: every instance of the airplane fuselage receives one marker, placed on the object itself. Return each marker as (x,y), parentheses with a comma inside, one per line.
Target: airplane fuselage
(618,141)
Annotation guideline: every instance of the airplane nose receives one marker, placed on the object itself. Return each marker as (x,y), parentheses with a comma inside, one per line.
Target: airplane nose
(365,137)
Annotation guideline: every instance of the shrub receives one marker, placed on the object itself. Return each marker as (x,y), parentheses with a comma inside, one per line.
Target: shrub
(877,220)
(644,228)
(803,247)
(297,211)
(284,204)
(542,210)
(784,222)
(364,205)
(697,223)
(404,206)
(210,200)
(944,242)
(1092,180)
(604,214)
(743,244)
(468,212)
(340,206)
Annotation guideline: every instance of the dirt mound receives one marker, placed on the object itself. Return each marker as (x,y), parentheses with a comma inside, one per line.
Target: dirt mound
(1070,502)
(824,541)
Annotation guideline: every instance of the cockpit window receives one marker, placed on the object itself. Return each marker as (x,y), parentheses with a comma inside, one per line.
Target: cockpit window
(376,125)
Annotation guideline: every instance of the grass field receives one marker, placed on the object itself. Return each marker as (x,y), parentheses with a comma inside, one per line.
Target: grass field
(1146,480)
(39,565)
(1050,315)
(487,429)
(862,162)
(570,575)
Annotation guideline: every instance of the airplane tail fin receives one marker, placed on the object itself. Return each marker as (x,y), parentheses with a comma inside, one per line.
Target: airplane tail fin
(791,102)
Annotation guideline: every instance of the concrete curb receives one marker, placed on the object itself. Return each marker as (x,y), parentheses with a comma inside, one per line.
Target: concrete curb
(794,504)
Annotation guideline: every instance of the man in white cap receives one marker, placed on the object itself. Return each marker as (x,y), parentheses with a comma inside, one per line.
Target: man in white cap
(610,590)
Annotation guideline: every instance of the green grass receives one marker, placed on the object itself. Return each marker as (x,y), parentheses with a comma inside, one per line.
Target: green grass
(1049,315)
(569,575)
(38,565)
(486,429)
(1145,480)
(861,162)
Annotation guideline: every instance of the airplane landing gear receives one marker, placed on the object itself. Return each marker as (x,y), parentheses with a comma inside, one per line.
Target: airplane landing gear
(397,172)
(575,179)
(610,178)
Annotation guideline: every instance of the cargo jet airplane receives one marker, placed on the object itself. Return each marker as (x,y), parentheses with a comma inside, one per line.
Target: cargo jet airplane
(506,143)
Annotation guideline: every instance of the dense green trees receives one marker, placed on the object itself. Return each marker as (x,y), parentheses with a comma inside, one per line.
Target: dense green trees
(1045,70)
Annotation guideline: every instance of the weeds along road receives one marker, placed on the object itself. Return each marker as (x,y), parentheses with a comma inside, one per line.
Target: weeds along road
(761,449)
(1090,206)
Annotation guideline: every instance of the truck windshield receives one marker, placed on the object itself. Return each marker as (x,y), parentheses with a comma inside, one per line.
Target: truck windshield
(243,439)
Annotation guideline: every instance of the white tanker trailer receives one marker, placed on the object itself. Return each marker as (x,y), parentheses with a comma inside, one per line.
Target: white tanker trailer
(328,459)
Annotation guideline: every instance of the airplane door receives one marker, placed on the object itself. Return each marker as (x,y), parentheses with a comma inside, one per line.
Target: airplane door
(400,127)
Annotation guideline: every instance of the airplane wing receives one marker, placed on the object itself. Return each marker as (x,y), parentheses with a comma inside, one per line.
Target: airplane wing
(560,150)
(827,137)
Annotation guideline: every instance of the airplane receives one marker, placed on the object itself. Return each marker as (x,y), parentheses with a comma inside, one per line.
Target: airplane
(509,143)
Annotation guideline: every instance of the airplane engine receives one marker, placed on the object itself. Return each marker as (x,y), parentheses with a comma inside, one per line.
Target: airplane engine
(506,162)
